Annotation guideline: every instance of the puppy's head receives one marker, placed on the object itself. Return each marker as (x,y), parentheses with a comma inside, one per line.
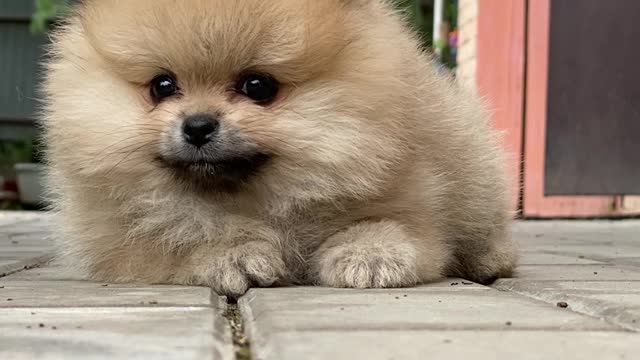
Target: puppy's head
(304,98)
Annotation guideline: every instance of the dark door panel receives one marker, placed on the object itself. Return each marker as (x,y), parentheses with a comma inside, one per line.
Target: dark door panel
(593,126)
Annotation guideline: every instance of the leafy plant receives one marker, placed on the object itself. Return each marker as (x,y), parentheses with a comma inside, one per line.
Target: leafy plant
(11,153)
(6,205)
(23,151)
(46,11)
(422,22)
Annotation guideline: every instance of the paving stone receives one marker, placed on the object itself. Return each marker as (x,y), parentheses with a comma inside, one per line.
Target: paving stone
(19,255)
(49,272)
(9,243)
(597,252)
(114,333)
(19,247)
(40,227)
(635,313)
(15,243)
(13,265)
(635,262)
(334,324)
(571,246)
(81,293)
(616,301)
(627,227)
(40,248)
(450,345)
(540,258)
(606,287)
(544,241)
(442,307)
(531,233)
(13,217)
(27,231)
(31,238)
(577,272)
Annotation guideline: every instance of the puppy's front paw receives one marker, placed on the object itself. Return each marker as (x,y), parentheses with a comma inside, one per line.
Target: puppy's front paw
(234,270)
(353,265)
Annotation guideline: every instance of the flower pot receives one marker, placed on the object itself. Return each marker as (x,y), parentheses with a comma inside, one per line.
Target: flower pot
(30,183)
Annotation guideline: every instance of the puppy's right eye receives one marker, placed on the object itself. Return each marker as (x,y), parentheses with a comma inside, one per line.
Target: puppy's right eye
(163,86)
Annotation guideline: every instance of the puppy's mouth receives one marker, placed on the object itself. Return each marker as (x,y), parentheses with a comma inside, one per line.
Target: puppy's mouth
(227,174)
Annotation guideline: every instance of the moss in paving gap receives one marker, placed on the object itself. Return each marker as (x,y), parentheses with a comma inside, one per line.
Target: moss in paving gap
(241,344)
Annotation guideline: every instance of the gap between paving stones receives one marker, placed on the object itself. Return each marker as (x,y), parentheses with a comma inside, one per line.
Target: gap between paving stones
(241,343)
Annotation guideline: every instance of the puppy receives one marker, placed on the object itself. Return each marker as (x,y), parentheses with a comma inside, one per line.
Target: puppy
(255,143)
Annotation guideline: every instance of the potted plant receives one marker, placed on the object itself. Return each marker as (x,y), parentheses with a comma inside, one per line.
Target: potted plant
(29,174)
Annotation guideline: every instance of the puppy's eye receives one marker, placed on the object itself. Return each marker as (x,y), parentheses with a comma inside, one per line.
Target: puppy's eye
(163,86)
(259,87)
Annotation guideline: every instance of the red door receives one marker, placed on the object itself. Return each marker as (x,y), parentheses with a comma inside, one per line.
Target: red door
(512,74)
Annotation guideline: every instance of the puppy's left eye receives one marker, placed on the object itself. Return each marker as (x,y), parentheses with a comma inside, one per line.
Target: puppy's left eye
(260,88)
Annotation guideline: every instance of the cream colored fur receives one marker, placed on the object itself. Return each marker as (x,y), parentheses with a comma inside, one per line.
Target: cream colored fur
(385,173)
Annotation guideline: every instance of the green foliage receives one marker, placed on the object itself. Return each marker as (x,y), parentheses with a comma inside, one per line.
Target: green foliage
(23,151)
(12,152)
(8,205)
(46,10)
(423,22)
(451,17)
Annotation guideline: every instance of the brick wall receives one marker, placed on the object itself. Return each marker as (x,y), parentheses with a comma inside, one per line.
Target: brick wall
(468,29)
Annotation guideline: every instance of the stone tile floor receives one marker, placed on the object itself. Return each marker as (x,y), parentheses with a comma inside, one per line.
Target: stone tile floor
(576,296)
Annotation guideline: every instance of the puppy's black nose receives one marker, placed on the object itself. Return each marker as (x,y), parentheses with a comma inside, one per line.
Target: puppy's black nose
(200,129)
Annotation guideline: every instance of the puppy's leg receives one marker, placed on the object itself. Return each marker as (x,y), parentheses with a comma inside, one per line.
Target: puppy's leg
(379,255)
(231,268)
(487,259)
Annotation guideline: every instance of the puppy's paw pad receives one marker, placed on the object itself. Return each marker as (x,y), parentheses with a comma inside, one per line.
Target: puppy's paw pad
(359,267)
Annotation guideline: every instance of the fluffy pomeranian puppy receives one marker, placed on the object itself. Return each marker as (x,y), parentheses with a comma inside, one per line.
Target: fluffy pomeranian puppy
(254,143)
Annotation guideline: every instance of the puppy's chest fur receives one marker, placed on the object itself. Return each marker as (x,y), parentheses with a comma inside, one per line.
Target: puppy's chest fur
(188,226)
(304,232)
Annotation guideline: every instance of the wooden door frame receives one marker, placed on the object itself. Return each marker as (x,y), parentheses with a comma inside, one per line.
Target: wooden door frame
(500,77)
(535,203)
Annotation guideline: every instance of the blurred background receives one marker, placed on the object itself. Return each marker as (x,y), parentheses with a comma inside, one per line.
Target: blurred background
(560,77)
